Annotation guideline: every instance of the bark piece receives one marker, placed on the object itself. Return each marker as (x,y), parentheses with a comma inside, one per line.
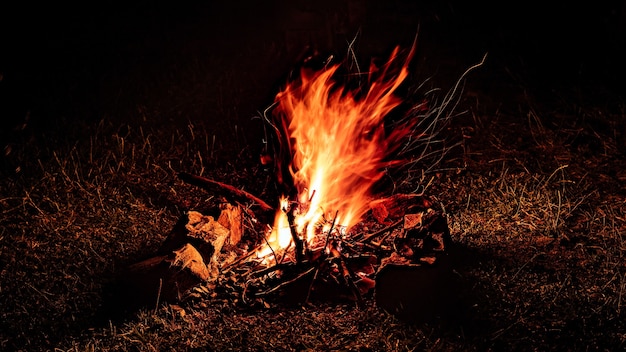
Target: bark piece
(202,231)
(232,219)
(425,235)
(188,258)
(412,221)
(387,210)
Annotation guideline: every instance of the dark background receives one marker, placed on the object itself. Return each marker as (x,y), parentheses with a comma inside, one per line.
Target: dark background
(224,61)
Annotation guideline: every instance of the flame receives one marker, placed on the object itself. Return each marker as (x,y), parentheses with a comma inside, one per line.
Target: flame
(338,144)
(280,234)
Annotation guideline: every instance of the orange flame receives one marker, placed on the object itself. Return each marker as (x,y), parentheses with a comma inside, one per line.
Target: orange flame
(338,143)
(280,234)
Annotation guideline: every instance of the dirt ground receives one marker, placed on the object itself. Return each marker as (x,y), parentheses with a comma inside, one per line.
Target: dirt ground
(101,109)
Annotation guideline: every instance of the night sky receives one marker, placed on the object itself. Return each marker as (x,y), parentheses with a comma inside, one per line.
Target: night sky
(91,61)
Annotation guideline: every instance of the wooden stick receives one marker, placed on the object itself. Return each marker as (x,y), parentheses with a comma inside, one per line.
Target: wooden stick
(285,283)
(299,243)
(347,275)
(331,229)
(209,184)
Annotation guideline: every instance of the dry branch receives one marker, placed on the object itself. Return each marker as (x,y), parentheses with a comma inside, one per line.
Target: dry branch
(210,185)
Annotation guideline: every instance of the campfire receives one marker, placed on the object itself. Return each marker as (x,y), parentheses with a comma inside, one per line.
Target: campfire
(333,236)
(335,148)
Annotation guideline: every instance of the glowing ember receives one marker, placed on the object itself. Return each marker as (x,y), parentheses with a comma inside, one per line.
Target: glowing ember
(338,145)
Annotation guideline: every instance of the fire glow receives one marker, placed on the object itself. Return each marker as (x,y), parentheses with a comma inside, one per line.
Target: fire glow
(339,147)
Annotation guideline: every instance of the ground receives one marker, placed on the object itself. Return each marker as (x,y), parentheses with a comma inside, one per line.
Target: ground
(101,110)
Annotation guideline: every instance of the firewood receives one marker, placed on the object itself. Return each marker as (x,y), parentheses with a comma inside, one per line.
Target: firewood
(163,278)
(211,185)
(188,258)
(204,233)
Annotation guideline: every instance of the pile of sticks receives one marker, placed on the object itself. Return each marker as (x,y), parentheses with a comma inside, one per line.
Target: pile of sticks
(203,256)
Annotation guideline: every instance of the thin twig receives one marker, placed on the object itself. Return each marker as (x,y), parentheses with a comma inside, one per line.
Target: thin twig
(242,258)
(308,293)
(331,229)
(285,283)
(525,264)
(156,307)
(351,283)
(348,275)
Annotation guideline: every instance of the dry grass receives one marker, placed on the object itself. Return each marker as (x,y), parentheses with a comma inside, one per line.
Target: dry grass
(535,195)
